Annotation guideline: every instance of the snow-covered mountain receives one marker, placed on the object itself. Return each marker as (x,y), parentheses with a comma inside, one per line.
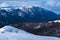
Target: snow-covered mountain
(11,29)
(25,14)
(11,33)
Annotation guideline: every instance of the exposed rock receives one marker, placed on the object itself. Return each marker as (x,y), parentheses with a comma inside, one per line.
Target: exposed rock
(45,29)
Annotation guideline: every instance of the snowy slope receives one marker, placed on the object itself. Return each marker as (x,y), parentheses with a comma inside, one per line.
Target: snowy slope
(11,33)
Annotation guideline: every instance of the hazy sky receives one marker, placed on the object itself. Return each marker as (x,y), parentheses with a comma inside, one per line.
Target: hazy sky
(53,5)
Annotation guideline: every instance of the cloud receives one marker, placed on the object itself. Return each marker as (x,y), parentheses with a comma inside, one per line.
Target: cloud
(4,5)
(58,4)
(22,3)
(50,2)
(17,3)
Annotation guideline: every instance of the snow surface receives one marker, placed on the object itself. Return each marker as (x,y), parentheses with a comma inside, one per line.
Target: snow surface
(11,33)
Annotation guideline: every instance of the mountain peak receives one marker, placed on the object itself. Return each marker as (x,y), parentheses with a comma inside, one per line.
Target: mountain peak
(24,14)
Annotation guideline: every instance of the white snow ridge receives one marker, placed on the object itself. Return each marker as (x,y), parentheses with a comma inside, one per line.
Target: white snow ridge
(11,33)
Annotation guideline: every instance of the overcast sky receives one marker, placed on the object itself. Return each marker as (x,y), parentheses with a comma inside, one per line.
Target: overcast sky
(53,5)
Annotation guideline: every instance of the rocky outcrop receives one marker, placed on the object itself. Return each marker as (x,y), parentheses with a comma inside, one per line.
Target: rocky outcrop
(44,29)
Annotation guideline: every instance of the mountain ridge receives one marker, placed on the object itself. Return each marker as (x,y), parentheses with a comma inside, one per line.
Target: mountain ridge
(32,14)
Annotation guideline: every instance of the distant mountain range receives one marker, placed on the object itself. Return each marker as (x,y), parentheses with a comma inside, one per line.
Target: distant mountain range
(10,15)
